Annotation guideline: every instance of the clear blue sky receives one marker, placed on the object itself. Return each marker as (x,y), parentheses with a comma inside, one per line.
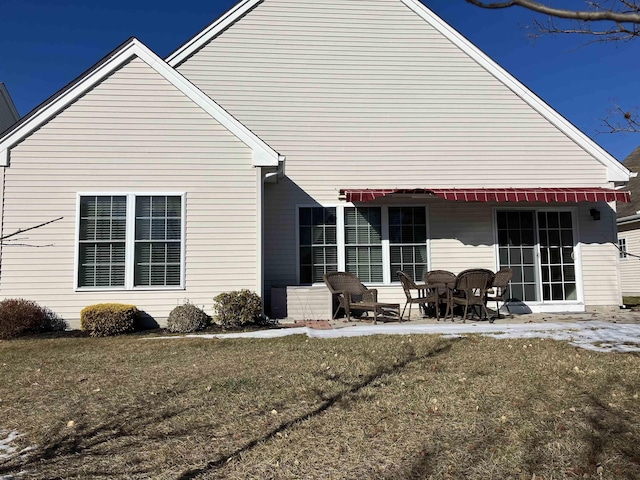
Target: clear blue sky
(45,44)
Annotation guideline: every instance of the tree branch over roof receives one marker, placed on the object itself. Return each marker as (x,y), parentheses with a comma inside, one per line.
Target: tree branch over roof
(621,18)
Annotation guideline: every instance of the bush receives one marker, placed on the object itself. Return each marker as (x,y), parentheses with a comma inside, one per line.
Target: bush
(106,319)
(187,318)
(235,309)
(19,316)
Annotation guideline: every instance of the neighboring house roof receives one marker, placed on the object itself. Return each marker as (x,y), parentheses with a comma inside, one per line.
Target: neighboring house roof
(632,162)
(615,171)
(8,112)
(263,155)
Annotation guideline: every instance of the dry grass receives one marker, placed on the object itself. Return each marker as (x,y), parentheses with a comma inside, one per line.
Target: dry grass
(396,407)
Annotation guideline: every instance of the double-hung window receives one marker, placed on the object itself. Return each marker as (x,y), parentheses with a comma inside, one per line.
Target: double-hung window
(373,243)
(363,241)
(318,244)
(128,241)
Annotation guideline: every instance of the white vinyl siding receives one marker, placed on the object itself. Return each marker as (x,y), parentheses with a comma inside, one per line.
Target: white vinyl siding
(366,94)
(630,266)
(133,133)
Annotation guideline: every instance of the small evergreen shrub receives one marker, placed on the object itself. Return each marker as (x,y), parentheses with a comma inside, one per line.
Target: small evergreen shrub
(106,319)
(234,309)
(19,316)
(187,318)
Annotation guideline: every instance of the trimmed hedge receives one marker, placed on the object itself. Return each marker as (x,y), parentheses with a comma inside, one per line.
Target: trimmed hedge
(187,318)
(234,309)
(106,319)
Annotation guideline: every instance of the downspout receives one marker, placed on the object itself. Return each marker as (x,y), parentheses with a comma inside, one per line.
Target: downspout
(264,174)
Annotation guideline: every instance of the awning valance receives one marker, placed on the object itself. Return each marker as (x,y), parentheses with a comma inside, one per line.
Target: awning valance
(544,195)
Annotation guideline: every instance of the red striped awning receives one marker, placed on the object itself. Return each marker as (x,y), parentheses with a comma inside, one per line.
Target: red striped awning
(544,195)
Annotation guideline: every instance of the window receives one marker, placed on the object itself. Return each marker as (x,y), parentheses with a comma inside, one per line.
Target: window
(158,244)
(363,241)
(318,243)
(408,241)
(102,241)
(370,242)
(128,241)
(622,247)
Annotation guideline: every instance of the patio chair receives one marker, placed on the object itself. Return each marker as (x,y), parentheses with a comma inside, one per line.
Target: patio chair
(352,295)
(500,286)
(422,295)
(441,282)
(471,290)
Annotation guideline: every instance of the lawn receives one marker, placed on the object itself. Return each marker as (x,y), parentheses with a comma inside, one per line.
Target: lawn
(381,407)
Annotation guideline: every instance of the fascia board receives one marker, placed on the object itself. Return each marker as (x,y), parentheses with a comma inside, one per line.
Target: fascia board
(128,51)
(616,172)
(627,220)
(264,154)
(226,20)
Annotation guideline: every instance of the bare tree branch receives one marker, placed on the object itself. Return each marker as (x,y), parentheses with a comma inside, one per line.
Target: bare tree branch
(616,19)
(27,245)
(22,230)
(599,13)
(620,120)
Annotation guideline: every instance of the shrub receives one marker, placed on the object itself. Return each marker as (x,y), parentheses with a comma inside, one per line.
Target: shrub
(19,316)
(106,319)
(187,318)
(237,308)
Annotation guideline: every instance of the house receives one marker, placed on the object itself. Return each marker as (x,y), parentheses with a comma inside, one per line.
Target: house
(295,137)
(629,231)
(8,113)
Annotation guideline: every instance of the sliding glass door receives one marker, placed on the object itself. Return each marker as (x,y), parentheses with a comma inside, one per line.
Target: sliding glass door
(540,248)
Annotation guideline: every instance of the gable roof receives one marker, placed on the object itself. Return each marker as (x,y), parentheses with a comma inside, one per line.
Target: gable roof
(263,154)
(632,162)
(5,99)
(616,172)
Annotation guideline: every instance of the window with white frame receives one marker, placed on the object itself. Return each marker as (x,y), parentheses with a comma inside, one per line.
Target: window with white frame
(363,243)
(373,243)
(128,241)
(318,243)
(622,247)
(102,249)
(408,241)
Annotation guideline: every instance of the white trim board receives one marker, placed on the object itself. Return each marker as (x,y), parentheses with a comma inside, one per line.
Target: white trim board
(616,172)
(263,154)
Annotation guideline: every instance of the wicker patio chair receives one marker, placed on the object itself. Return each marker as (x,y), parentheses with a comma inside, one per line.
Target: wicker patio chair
(422,295)
(471,290)
(441,282)
(353,295)
(500,286)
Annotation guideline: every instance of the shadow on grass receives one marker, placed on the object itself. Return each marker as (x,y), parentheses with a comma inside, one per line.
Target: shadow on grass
(326,404)
(126,428)
(86,450)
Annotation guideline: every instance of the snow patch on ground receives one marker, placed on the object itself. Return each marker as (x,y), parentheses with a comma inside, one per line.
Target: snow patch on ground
(592,335)
(8,450)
